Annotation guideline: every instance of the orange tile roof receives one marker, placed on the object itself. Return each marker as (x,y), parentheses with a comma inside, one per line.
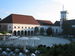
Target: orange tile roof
(44,22)
(22,19)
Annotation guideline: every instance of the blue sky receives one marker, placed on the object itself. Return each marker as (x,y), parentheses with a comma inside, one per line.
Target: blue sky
(39,9)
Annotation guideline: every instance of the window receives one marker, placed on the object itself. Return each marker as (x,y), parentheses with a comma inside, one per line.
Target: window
(18,27)
(25,27)
(14,26)
(22,27)
(56,30)
(32,27)
(29,27)
(9,26)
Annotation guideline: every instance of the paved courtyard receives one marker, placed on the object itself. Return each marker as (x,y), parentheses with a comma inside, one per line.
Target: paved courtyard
(35,41)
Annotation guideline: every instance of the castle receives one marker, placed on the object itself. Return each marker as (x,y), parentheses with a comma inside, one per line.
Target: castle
(25,25)
(22,24)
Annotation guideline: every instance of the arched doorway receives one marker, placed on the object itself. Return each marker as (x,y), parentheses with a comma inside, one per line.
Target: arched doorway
(32,32)
(21,33)
(15,33)
(29,33)
(18,32)
(42,31)
(36,30)
(25,33)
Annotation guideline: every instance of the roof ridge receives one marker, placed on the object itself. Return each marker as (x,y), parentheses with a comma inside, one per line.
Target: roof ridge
(44,20)
(20,14)
(22,19)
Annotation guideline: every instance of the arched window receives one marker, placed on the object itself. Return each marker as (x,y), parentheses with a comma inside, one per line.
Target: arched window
(25,27)
(56,30)
(28,27)
(14,26)
(49,31)
(18,27)
(42,31)
(22,27)
(36,30)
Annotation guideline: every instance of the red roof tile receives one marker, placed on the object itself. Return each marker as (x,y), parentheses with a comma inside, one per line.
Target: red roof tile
(44,22)
(22,19)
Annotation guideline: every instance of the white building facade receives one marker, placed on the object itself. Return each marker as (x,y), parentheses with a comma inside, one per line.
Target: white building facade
(22,24)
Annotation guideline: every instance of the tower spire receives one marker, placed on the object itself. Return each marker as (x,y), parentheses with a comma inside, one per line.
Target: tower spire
(63,16)
(63,8)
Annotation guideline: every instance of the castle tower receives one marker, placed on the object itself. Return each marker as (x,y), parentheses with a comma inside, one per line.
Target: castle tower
(63,17)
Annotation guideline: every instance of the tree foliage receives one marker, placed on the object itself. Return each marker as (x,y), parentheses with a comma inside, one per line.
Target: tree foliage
(4,32)
(58,50)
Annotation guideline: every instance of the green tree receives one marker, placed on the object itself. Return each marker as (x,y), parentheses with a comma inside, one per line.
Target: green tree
(4,32)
